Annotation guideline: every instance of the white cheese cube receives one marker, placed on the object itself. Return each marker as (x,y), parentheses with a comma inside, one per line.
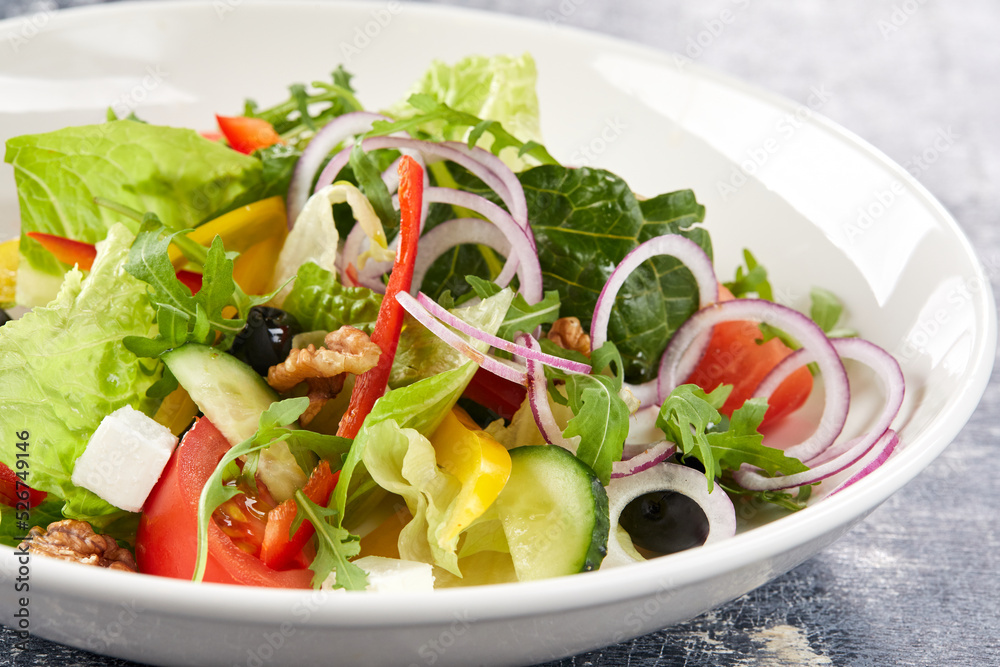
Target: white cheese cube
(392,575)
(124,458)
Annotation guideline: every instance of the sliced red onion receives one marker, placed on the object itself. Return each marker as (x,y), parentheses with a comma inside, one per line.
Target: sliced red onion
(329,137)
(797,325)
(538,399)
(717,506)
(523,255)
(532,352)
(686,250)
(857,349)
(893,385)
(492,364)
(461,231)
(873,460)
(429,150)
(647,459)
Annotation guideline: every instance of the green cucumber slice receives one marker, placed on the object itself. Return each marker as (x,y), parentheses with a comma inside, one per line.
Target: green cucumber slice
(229,392)
(554,513)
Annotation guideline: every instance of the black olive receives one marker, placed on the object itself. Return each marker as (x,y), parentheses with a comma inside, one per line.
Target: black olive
(665,522)
(266,339)
(4,317)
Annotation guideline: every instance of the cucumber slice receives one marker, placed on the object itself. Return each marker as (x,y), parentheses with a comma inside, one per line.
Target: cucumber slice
(227,391)
(232,395)
(554,512)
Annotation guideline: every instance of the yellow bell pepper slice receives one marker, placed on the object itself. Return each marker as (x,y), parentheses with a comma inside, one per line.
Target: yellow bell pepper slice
(8,270)
(480,463)
(176,411)
(241,228)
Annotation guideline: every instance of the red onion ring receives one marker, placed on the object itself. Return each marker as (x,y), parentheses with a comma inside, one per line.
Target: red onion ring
(532,352)
(873,460)
(792,322)
(717,506)
(856,349)
(643,461)
(684,249)
(329,137)
(492,364)
(461,231)
(538,399)
(893,385)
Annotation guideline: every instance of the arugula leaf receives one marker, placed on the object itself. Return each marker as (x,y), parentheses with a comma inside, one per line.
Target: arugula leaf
(369,177)
(826,310)
(753,281)
(181,316)
(335,546)
(685,417)
(432,111)
(754,499)
(691,419)
(521,316)
(319,301)
(306,110)
(600,419)
(585,221)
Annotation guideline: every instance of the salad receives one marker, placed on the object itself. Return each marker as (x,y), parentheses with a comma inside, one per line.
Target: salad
(399,350)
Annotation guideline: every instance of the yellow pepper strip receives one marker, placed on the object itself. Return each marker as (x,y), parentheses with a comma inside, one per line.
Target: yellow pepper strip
(252,269)
(240,229)
(480,463)
(176,411)
(8,270)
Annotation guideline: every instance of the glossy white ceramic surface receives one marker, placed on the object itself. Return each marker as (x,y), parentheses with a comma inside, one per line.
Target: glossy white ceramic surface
(816,205)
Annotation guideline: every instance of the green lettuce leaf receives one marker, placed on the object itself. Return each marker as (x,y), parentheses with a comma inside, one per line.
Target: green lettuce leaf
(63,368)
(180,176)
(489,88)
(319,301)
(404,463)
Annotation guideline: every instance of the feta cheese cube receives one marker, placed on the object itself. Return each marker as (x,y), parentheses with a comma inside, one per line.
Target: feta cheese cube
(124,458)
(392,575)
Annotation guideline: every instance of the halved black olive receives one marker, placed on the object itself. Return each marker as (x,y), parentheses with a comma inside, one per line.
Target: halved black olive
(664,522)
(266,339)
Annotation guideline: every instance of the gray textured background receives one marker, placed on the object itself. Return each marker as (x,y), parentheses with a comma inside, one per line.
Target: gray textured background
(918,583)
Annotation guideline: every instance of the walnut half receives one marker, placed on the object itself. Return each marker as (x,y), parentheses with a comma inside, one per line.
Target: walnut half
(567,333)
(76,542)
(346,350)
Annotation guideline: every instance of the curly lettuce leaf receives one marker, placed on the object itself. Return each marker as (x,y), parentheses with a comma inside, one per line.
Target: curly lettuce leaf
(175,173)
(63,368)
(319,301)
(455,101)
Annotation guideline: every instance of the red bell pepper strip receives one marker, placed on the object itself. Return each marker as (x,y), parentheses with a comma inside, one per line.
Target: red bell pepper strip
(370,386)
(83,254)
(247,134)
(499,395)
(11,486)
(278,551)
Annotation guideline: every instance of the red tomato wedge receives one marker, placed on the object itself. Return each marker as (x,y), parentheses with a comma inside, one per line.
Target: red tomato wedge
(83,254)
(247,134)
(735,356)
(499,395)
(278,550)
(167,541)
(9,489)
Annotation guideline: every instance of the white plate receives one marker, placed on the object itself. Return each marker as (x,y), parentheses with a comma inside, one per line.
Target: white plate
(816,205)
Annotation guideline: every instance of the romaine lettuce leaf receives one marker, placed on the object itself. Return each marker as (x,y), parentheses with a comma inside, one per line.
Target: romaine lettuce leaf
(319,301)
(175,173)
(500,88)
(63,367)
